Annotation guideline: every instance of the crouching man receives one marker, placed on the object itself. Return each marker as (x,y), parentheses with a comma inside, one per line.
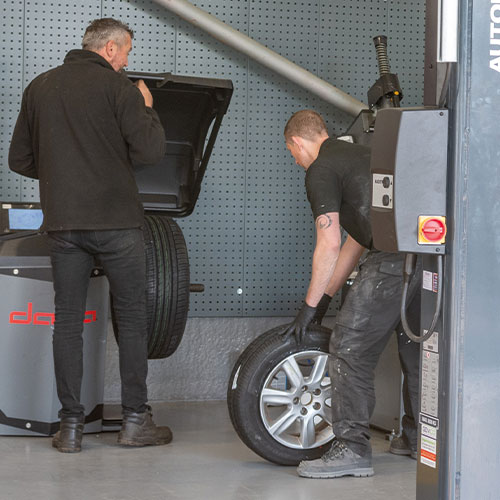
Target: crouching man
(338,188)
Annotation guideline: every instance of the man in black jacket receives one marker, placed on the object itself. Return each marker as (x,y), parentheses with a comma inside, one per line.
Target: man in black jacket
(81,127)
(338,189)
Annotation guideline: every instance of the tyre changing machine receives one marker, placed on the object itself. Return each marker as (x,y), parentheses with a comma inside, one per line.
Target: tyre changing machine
(28,397)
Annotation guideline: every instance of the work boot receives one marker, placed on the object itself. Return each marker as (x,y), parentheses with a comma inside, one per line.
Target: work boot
(68,439)
(138,429)
(338,461)
(400,446)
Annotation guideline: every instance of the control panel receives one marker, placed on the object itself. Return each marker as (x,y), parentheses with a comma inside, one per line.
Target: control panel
(408,167)
(383,191)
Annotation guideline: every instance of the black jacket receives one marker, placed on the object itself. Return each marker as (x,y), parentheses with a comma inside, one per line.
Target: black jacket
(80,128)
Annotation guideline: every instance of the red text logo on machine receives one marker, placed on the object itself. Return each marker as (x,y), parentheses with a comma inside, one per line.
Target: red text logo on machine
(42,318)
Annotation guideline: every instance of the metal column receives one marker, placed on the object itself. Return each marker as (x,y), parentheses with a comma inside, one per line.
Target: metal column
(467,441)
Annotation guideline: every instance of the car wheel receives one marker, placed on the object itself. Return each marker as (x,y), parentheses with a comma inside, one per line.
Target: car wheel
(279,396)
(167,286)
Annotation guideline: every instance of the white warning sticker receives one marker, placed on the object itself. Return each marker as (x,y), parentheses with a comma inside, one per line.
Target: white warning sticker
(427,280)
(428,431)
(429,389)
(426,461)
(428,450)
(432,344)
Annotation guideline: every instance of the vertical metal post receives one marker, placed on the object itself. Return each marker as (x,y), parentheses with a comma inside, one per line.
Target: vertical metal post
(469,391)
(432,466)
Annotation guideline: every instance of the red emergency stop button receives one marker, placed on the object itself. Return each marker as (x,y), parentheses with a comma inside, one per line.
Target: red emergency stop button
(431,230)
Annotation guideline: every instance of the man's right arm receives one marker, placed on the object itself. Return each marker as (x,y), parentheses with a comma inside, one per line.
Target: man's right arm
(146,93)
(141,126)
(326,253)
(21,156)
(325,256)
(349,256)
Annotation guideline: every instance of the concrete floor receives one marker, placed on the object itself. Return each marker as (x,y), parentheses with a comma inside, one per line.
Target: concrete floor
(205,460)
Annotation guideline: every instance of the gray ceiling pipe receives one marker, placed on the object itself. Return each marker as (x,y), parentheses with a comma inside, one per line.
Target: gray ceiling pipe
(263,55)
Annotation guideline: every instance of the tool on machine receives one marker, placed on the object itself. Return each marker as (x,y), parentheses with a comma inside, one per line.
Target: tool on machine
(386,91)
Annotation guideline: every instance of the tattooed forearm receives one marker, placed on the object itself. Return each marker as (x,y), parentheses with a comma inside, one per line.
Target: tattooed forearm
(323,221)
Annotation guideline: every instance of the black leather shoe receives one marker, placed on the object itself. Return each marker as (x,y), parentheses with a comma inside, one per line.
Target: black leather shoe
(68,439)
(138,429)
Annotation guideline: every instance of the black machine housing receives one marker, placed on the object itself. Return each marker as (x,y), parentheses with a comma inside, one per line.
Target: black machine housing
(190,109)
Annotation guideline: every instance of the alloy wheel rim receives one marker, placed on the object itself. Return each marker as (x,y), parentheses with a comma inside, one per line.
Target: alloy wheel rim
(295,401)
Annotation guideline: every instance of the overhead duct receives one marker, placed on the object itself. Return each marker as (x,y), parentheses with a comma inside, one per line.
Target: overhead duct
(263,55)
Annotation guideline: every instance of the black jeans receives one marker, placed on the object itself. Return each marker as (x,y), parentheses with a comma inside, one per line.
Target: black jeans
(121,254)
(366,321)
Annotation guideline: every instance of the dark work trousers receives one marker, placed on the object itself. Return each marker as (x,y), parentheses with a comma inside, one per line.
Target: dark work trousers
(367,319)
(122,256)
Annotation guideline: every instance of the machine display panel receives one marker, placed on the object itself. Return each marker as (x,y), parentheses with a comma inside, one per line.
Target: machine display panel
(16,217)
(22,218)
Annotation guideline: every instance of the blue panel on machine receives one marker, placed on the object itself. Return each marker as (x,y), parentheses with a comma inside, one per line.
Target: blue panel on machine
(22,218)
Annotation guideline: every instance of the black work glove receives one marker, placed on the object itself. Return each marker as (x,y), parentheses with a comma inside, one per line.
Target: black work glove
(299,325)
(321,309)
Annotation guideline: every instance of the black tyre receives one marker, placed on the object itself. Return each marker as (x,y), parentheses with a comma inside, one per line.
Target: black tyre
(279,397)
(167,286)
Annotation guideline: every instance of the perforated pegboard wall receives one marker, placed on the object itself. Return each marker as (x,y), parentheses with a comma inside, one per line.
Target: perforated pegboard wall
(215,233)
(279,238)
(154,33)
(251,236)
(11,86)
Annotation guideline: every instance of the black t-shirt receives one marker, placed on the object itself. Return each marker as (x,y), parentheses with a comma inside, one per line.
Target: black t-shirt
(339,181)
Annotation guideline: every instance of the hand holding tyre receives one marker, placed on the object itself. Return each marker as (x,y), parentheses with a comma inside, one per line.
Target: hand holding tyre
(321,309)
(300,324)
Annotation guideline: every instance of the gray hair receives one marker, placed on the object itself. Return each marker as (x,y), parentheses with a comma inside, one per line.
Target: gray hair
(101,31)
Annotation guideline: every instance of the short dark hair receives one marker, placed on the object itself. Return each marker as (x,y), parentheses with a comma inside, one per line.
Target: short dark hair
(101,31)
(307,124)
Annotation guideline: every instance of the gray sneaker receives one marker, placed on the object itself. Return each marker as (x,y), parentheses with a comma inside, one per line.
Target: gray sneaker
(338,461)
(399,446)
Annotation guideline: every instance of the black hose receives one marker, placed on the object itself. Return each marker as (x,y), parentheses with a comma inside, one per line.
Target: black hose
(408,271)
